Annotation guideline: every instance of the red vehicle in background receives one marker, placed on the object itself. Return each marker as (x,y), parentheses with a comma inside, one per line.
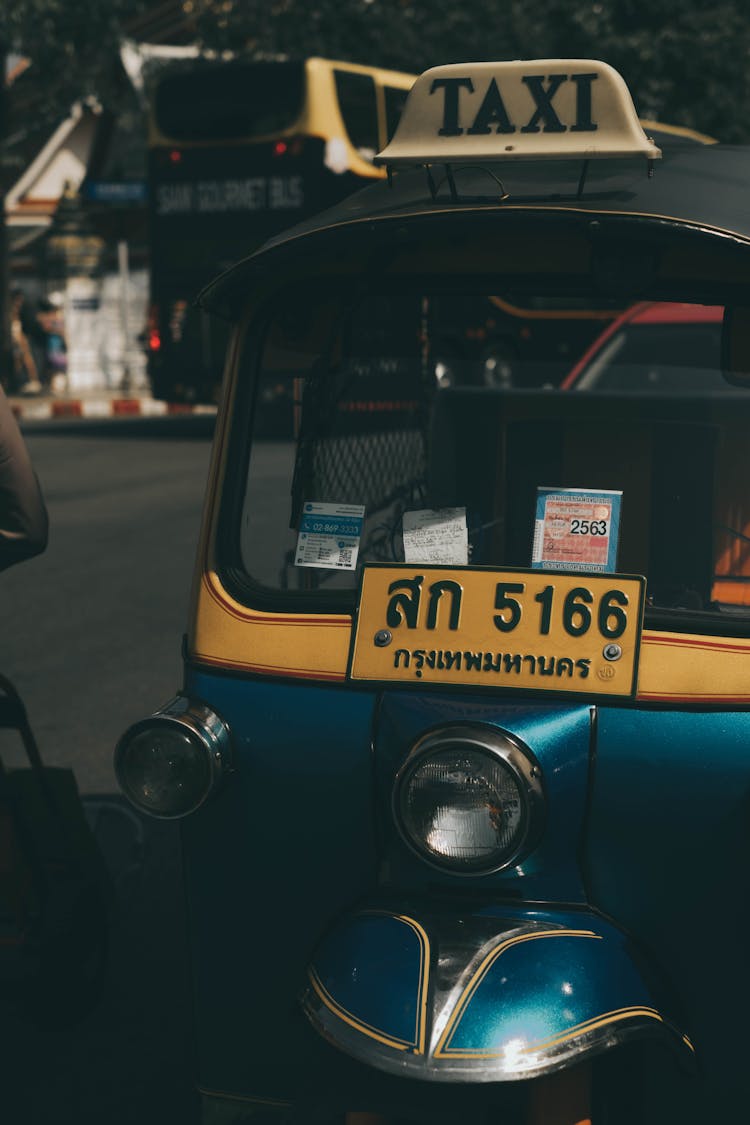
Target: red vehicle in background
(654,346)
(673,349)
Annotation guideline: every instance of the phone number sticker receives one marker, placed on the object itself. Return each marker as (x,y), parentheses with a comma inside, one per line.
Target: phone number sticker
(329,535)
(576,529)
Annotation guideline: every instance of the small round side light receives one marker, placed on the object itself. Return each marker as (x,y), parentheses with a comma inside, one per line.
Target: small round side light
(169,764)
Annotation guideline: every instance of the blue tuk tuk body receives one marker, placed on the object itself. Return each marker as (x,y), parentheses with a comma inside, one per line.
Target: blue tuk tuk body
(342,962)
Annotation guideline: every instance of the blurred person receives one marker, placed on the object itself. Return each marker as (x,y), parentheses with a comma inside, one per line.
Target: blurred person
(51,351)
(23,514)
(25,376)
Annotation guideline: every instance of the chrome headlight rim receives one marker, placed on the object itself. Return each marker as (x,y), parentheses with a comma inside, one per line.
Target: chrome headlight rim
(500,745)
(201,724)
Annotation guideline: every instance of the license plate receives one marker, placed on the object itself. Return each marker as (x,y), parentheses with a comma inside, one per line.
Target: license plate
(527,630)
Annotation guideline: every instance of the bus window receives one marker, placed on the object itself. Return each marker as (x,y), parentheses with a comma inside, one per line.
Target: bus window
(394,104)
(357,101)
(229,101)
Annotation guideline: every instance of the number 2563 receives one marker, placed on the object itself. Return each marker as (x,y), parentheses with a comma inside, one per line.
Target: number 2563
(589,527)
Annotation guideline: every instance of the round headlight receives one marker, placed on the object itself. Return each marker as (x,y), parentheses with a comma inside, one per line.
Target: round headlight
(168,765)
(469,799)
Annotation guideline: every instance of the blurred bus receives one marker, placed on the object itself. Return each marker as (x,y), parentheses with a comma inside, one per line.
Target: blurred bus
(238,151)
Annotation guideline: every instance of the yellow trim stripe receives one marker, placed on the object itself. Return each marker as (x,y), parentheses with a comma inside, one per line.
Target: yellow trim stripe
(442,1049)
(677,668)
(418,1043)
(572,1033)
(690,668)
(352,1021)
(595,1022)
(424,980)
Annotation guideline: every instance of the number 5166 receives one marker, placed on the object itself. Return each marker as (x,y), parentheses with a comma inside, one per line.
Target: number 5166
(576,610)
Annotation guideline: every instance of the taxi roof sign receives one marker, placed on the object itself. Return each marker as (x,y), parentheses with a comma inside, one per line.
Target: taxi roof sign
(544,109)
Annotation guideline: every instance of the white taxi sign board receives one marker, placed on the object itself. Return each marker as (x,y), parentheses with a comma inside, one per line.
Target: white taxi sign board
(545,109)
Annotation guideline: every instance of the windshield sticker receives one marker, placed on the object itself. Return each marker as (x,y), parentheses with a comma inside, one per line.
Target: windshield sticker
(436,536)
(576,529)
(329,535)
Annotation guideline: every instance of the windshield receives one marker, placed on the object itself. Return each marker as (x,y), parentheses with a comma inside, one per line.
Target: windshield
(231,100)
(416,426)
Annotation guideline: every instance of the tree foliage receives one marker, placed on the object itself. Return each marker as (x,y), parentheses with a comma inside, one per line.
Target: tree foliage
(73,46)
(686,63)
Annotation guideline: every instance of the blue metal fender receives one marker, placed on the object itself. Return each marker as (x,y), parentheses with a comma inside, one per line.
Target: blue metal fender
(497,995)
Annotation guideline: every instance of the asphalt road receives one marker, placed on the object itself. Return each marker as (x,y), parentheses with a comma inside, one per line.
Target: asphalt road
(92,628)
(92,633)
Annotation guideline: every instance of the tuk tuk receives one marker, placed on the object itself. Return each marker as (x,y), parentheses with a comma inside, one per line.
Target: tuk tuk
(462,754)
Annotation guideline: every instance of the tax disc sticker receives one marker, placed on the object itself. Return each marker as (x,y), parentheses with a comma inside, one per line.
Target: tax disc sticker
(329,535)
(576,529)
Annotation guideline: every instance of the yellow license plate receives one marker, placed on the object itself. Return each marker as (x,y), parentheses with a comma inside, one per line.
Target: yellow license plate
(514,629)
